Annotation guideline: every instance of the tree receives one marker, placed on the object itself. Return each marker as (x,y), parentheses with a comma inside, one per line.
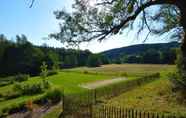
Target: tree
(104,59)
(70,61)
(151,57)
(19,57)
(132,59)
(93,61)
(44,70)
(52,59)
(98,20)
(168,56)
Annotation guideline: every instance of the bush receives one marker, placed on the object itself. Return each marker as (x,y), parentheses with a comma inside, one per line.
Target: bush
(17,87)
(11,79)
(21,77)
(177,81)
(123,74)
(31,89)
(11,95)
(53,95)
(4,83)
(85,72)
(12,108)
(46,84)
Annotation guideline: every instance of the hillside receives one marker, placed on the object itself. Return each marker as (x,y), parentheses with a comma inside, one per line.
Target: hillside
(138,49)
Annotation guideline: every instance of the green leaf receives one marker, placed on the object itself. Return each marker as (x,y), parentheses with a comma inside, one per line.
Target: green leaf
(119,5)
(130,8)
(108,19)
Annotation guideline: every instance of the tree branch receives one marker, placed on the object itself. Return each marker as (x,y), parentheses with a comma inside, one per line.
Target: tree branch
(32,2)
(106,2)
(116,28)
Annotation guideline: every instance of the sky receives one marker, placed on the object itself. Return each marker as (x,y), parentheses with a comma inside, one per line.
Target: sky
(39,21)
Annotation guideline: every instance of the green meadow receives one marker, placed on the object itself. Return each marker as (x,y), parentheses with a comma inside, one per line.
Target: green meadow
(68,82)
(155,96)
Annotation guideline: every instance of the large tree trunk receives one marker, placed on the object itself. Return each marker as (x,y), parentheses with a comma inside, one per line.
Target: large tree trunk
(182,66)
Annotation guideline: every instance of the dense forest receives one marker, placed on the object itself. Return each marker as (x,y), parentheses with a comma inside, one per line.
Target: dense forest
(21,56)
(161,53)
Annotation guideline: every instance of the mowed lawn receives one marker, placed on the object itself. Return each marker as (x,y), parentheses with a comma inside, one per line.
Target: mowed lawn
(66,81)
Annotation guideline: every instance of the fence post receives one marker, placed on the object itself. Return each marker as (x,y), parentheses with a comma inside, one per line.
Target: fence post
(129,113)
(153,116)
(157,115)
(136,115)
(132,113)
(120,115)
(126,113)
(140,114)
(148,115)
(62,115)
(94,95)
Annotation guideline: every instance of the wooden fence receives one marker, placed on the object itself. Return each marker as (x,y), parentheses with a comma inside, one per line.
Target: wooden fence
(118,112)
(86,108)
(89,104)
(115,89)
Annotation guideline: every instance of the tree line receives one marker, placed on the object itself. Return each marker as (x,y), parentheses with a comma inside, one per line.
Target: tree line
(21,56)
(150,56)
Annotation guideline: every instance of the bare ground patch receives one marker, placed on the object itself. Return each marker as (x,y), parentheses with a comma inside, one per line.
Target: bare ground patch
(98,84)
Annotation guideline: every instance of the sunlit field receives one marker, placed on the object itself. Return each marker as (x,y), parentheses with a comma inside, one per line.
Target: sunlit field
(155,96)
(127,69)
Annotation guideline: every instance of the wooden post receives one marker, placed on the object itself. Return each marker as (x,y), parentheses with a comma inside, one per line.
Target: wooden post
(140,114)
(136,113)
(153,115)
(132,113)
(157,115)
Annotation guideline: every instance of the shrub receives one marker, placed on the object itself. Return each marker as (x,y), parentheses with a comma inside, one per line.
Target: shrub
(17,87)
(85,72)
(14,108)
(123,74)
(46,84)
(11,79)
(21,77)
(53,95)
(31,89)
(4,83)
(177,81)
(44,70)
(11,94)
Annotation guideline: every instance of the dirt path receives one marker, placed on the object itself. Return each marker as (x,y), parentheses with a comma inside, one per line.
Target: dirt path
(98,84)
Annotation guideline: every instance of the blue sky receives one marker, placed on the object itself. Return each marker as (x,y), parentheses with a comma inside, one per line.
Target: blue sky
(37,22)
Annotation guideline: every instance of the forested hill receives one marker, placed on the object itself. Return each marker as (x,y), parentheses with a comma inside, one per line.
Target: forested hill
(21,56)
(141,50)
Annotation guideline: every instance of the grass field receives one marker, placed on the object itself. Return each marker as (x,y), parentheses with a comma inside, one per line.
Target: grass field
(131,70)
(67,81)
(155,96)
